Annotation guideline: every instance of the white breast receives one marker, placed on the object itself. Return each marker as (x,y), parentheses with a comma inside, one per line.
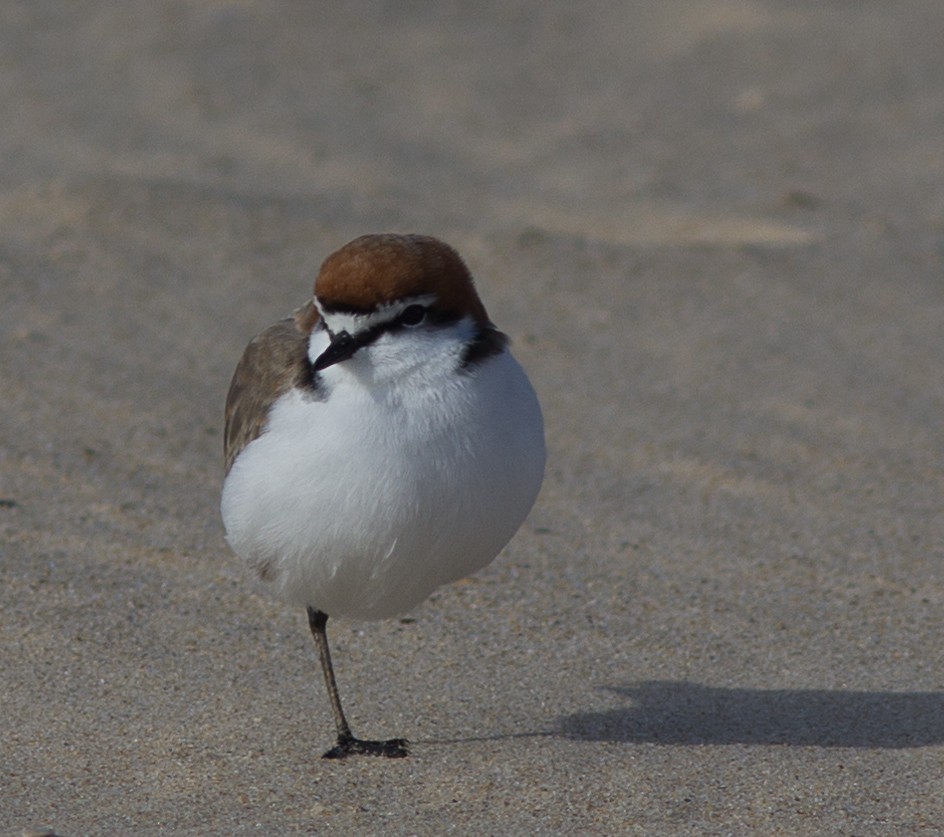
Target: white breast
(362,504)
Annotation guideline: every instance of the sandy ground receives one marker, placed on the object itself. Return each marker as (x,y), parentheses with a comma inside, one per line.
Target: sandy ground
(714,230)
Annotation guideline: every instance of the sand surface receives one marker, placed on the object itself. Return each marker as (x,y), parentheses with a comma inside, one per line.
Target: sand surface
(715,232)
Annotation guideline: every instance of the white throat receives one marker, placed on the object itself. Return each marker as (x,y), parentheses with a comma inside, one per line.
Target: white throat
(427,356)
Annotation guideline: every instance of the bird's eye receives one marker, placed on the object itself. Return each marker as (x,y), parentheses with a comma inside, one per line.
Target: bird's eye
(413,315)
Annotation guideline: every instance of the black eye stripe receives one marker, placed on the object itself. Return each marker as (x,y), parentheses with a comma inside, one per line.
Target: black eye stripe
(412,315)
(431,316)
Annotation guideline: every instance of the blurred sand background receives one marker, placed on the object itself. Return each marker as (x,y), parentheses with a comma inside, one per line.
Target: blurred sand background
(715,232)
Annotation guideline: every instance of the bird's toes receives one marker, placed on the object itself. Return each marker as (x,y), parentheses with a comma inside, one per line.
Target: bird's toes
(395,748)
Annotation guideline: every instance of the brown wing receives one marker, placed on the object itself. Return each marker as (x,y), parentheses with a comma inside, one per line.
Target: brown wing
(273,363)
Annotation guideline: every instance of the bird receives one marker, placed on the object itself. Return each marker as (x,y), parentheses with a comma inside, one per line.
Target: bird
(379,443)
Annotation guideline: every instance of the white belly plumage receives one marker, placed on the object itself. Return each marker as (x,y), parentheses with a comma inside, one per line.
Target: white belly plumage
(362,504)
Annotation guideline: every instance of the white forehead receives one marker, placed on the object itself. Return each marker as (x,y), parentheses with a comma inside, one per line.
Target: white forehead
(353,323)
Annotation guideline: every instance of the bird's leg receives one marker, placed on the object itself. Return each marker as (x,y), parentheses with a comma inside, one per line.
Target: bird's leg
(318,621)
(347,744)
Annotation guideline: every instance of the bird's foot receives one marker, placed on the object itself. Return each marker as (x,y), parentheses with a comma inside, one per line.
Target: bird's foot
(395,748)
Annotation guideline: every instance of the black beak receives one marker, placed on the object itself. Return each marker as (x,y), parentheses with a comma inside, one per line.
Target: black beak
(341,348)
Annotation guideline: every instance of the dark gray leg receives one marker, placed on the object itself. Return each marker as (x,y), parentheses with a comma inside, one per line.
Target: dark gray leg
(347,744)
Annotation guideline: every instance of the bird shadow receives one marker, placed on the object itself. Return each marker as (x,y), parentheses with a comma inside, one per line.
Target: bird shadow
(685,713)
